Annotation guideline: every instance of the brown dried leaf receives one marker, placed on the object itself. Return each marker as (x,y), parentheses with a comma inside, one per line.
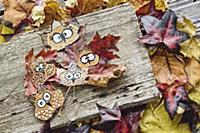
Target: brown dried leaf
(167,68)
(192,69)
(109,72)
(53,11)
(21,10)
(137,4)
(111,3)
(85,6)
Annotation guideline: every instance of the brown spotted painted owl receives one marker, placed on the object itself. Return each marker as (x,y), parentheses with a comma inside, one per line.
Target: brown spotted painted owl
(47,102)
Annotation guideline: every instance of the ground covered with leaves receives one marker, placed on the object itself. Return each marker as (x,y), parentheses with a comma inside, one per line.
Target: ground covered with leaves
(174,50)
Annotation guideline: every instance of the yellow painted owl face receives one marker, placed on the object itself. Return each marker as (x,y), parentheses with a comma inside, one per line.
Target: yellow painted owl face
(47,102)
(87,59)
(41,71)
(61,36)
(73,75)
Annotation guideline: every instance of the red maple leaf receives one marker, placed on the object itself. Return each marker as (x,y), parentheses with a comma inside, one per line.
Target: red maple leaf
(162,31)
(113,121)
(48,56)
(173,95)
(105,46)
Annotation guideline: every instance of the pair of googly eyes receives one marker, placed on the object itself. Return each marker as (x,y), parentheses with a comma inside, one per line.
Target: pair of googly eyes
(73,76)
(59,37)
(87,58)
(39,68)
(42,102)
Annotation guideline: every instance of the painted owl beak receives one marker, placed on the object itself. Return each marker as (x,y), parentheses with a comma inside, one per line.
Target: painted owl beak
(73,80)
(63,38)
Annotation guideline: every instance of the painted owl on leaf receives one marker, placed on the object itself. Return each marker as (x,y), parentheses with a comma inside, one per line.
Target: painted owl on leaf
(91,60)
(62,36)
(39,70)
(69,62)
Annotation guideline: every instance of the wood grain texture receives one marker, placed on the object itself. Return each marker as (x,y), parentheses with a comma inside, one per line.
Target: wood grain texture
(136,87)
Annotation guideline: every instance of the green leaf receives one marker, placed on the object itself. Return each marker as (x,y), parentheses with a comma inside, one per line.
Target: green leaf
(2,39)
(7,30)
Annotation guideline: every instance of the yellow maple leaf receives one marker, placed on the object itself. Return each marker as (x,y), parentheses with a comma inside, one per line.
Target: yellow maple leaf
(191,48)
(161,5)
(137,4)
(111,3)
(187,26)
(194,95)
(160,122)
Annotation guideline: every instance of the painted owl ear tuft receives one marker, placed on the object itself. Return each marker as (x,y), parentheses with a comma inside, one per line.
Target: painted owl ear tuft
(55,24)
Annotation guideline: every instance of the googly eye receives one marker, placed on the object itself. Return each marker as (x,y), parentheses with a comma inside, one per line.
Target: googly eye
(91,57)
(41,103)
(39,68)
(69,76)
(41,65)
(67,33)
(77,75)
(46,96)
(84,59)
(57,38)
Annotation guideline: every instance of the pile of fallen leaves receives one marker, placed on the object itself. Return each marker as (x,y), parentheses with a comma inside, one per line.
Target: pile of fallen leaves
(175,52)
(30,14)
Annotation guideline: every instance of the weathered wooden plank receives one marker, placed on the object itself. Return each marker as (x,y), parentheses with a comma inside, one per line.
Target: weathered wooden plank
(16,113)
(136,87)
